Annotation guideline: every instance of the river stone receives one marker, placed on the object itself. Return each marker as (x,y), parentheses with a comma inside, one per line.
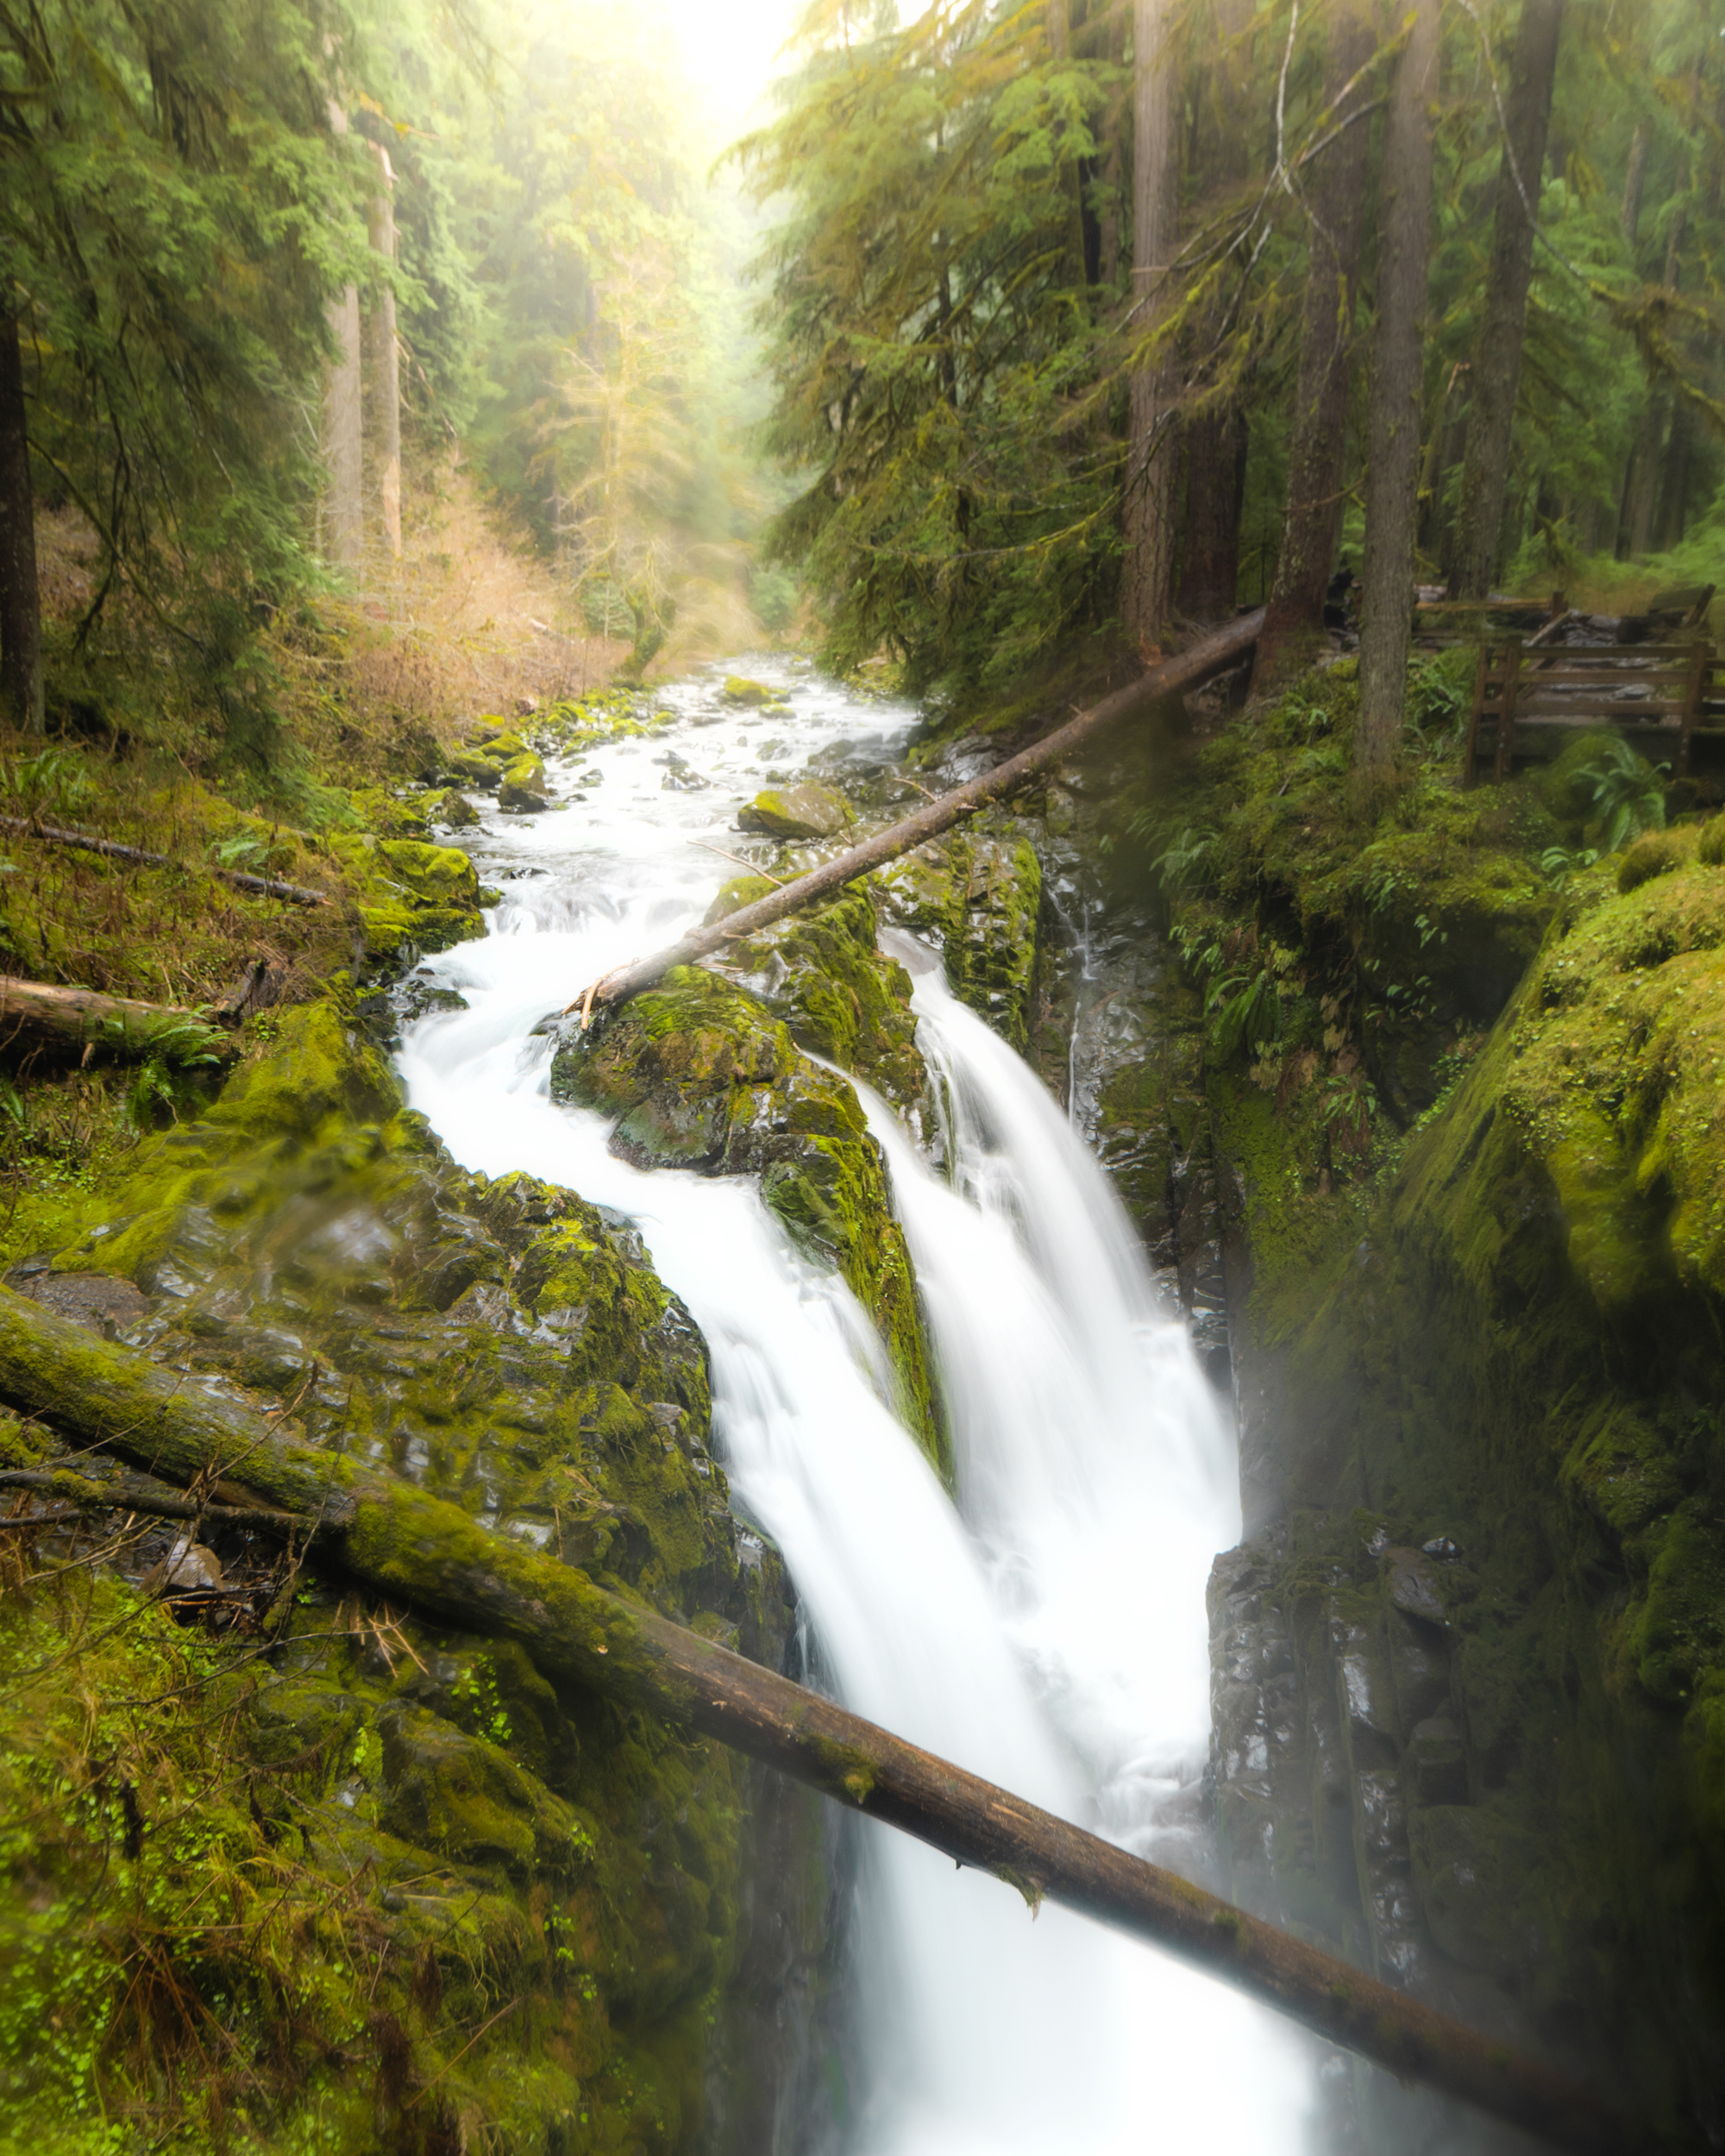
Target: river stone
(738,689)
(522,787)
(805,810)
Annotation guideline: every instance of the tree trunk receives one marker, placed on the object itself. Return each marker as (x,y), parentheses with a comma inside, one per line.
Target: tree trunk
(428,1553)
(141,856)
(343,449)
(1634,180)
(1392,476)
(1215,439)
(1215,444)
(78,1023)
(385,361)
(1147,572)
(1497,357)
(1072,253)
(21,598)
(1222,650)
(1293,618)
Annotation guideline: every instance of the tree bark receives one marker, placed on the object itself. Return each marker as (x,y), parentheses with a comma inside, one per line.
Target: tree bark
(1072,253)
(385,361)
(343,428)
(1392,477)
(1214,443)
(1215,439)
(1497,357)
(1293,618)
(1147,572)
(1634,180)
(21,598)
(1222,650)
(80,1022)
(425,1552)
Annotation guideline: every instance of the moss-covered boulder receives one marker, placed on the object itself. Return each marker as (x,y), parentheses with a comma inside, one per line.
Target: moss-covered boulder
(739,689)
(976,895)
(522,787)
(822,971)
(808,810)
(701,1074)
(409,895)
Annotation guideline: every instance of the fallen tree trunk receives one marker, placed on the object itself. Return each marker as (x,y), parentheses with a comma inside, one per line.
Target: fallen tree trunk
(79,1022)
(1212,654)
(426,1553)
(111,849)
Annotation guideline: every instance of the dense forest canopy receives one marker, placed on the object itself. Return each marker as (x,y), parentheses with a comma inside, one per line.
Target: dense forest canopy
(1070,315)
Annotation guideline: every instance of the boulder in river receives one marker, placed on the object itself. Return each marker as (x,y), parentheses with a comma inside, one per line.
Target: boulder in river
(807,811)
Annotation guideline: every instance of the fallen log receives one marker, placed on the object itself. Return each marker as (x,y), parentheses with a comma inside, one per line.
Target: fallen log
(420,1551)
(1212,654)
(141,856)
(80,1022)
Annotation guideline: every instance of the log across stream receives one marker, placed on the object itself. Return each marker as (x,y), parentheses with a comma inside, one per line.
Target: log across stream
(432,1556)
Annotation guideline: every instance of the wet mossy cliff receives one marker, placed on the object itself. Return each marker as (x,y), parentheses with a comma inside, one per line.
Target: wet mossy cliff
(1469,1669)
(328,1877)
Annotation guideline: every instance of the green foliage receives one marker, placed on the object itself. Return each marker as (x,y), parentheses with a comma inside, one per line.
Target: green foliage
(1624,794)
(933,344)
(174,211)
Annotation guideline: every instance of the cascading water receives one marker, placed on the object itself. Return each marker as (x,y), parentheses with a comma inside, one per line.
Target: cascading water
(1048,1632)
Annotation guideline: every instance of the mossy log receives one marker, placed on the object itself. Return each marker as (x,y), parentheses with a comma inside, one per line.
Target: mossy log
(1186,670)
(426,1553)
(79,1022)
(142,858)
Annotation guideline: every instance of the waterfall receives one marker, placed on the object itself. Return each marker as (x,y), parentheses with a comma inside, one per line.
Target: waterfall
(1048,1630)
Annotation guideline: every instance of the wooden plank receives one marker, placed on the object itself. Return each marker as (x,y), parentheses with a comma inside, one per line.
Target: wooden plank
(1506,720)
(1479,679)
(1693,702)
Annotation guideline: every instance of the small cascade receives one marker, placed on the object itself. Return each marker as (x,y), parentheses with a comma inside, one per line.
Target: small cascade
(1048,1630)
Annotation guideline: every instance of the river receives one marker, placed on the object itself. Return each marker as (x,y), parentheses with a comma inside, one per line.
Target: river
(1047,1630)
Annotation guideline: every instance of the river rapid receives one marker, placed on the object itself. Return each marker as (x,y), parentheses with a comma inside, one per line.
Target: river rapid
(1047,1630)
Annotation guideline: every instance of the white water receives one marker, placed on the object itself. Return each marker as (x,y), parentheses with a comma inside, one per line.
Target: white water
(1051,1636)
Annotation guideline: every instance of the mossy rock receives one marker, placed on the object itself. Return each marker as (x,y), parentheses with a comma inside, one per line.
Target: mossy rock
(1654,854)
(823,972)
(976,895)
(738,689)
(733,896)
(468,766)
(409,894)
(451,807)
(700,1074)
(808,810)
(522,785)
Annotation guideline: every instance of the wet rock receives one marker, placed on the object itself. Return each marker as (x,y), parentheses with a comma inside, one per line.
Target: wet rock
(106,1305)
(1411,1582)
(521,786)
(977,896)
(738,689)
(1436,1762)
(700,1074)
(805,810)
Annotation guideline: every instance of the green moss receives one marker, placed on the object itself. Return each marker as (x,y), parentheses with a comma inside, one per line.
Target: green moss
(805,810)
(701,1074)
(1655,854)
(976,895)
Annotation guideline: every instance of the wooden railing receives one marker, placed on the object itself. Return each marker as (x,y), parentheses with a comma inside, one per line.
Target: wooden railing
(1664,693)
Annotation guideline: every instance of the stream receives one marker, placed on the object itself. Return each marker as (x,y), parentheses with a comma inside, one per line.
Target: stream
(1047,1630)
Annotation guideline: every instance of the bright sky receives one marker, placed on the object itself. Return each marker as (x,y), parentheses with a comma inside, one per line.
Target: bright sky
(728,46)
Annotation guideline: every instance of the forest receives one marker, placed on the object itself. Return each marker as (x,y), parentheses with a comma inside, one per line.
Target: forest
(860,987)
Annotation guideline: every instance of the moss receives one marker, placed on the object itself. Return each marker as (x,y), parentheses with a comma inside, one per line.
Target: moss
(733,896)
(976,895)
(522,787)
(805,810)
(1655,854)
(823,972)
(701,1074)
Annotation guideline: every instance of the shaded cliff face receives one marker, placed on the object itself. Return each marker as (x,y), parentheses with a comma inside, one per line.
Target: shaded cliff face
(1469,1675)
(385,1887)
